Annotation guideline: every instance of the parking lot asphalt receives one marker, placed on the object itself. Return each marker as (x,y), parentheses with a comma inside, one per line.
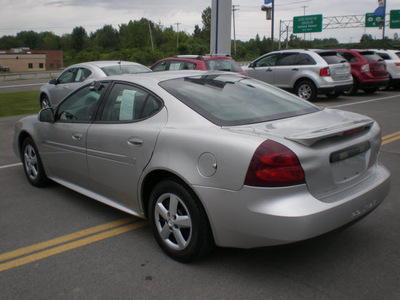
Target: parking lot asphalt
(57,244)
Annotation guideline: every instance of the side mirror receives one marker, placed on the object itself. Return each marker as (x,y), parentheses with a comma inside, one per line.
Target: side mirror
(252,65)
(46,115)
(53,81)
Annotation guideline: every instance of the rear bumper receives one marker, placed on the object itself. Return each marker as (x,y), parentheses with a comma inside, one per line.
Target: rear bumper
(335,89)
(258,217)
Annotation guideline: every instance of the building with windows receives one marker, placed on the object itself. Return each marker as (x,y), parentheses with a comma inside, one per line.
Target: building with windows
(25,60)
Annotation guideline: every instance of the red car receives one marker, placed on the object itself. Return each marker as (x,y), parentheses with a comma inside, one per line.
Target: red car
(368,70)
(198,62)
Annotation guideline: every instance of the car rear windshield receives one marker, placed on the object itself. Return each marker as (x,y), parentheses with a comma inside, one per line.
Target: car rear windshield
(222,65)
(228,100)
(332,57)
(125,69)
(371,56)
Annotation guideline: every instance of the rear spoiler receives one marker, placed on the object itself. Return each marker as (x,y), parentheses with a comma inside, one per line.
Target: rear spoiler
(310,137)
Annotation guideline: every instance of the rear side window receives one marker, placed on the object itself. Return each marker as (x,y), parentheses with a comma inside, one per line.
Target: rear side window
(385,56)
(287,59)
(305,59)
(332,57)
(175,65)
(371,56)
(350,57)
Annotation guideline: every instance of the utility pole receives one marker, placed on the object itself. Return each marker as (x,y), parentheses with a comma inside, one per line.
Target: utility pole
(272,26)
(304,7)
(234,8)
(177,34)
(151,38)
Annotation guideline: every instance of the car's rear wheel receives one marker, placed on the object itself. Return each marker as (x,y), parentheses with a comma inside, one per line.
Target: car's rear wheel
(179,222)
(44,102)
(306,89)
(33,166)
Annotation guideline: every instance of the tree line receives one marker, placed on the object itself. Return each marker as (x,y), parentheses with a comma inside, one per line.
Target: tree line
(145,42)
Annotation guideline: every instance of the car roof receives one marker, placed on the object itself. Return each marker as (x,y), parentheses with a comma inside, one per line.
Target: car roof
(156,77)
(105,63)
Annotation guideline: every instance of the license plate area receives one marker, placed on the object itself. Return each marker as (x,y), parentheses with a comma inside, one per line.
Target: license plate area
(349,163)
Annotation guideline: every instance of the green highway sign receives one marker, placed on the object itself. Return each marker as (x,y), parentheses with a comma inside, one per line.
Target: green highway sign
(395,19)
(371,20)
(306,24)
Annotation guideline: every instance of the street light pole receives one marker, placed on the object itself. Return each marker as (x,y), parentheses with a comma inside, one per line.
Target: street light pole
(272,26)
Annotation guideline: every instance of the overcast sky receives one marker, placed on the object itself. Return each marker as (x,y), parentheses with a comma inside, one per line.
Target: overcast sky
(63,15)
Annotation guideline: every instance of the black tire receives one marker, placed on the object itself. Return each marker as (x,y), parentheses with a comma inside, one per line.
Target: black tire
(44,102)
(32,164)
(179,222)
(370,91)
(333,95)
(354,90)
(306,89)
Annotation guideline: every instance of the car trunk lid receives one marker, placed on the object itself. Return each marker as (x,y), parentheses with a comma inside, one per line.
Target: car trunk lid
(336,149)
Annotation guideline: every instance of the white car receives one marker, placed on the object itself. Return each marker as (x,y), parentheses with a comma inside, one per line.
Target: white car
(77,75)
(392,59)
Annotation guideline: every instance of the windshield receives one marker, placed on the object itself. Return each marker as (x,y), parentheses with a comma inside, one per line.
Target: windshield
(222,65)
(125,69)
(228,100)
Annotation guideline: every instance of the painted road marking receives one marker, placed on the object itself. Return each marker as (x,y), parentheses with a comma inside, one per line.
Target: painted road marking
(68,242)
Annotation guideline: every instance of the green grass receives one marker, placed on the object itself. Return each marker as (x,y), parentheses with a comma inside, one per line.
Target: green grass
(19,103)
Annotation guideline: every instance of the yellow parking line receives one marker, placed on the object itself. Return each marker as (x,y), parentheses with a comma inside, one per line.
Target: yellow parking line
(391,138)
(75,244)
(63,239)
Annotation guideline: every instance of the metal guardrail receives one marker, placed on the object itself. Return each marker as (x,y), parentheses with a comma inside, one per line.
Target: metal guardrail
(29,75)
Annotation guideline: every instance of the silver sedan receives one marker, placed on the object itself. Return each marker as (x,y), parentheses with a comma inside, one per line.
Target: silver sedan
(77,75)
(209,158)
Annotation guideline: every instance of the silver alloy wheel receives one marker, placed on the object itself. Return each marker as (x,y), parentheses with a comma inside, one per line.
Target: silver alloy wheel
(305,91)
(173,221)
(31,162)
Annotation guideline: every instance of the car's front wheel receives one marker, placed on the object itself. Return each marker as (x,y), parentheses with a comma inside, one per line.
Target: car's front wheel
(306,89)
(179,222)
(44,102)
(33,166)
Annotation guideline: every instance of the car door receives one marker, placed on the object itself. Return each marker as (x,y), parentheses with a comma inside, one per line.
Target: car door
(286,71)
(64,141)
(121,141)
(263,68)
(61,87)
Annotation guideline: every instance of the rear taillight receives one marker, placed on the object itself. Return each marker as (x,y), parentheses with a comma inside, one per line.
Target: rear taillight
(365,68)
(274,165)
(397,64)
(325,72)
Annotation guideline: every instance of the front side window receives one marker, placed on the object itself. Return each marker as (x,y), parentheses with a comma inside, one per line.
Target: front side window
(127,103)
(228,100)
(267,61)
(80,106)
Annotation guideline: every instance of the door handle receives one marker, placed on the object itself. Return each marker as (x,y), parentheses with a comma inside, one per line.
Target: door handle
(136,141)
(77,136)
(269,70)
(295,69)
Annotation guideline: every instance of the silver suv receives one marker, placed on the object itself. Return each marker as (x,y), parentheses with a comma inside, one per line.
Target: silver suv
(307,73)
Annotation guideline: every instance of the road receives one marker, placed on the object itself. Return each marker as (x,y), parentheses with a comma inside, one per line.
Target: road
(53,248)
